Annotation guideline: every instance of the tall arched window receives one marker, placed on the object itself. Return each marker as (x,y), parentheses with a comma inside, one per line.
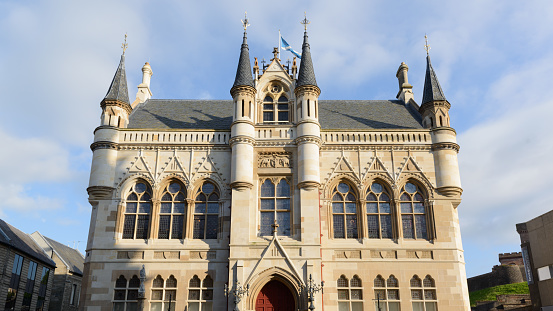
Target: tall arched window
(276,110)
(386,293)
(172,211)
(125,295)
(200,294)
(350,294)
(162,293)
(423,294)
(379,213)
(137,212)
(413,212)
(344,212)
(275,205)
(206,212)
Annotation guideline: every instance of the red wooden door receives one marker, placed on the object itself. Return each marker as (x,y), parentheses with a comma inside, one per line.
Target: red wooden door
(275,296)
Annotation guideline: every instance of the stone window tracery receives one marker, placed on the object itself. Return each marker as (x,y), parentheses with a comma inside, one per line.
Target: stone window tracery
(206,212)
(344,212)
(200,294)
(386,293)
(125,294)
(276,107)
(423,294)
(413,212)
(172,212)
(379,212)
(163,292)
(350,294)
(275,205)
(137,212)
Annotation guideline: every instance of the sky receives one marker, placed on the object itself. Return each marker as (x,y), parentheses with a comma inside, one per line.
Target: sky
(493,60)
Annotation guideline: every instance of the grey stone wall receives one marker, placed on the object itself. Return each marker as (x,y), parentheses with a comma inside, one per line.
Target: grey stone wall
(500,275)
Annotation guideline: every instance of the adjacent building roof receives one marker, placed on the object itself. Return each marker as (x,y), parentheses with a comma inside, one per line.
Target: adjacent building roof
(432,89)
(72,258)
(244,70)
(118,88)
(22,242)
(217,114)
(306,75)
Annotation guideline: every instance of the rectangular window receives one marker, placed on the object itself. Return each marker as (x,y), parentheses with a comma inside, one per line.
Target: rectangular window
(42,289)
(73,299)
(14,282)
(29,286)
(274,204)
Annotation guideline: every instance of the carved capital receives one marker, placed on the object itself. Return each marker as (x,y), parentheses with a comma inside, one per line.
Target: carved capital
(241,139)
(103,145)
(446,146)
(309,185)
(309,139)
(241,185)
(96,193)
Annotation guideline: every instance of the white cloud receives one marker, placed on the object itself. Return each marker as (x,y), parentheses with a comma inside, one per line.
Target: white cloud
(17,200)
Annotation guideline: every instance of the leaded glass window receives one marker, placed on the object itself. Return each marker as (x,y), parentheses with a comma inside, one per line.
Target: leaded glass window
(200,294)
(379,212)
(350,294)
(276,110)
(206,212)
(275,205)
(386,293)
(125,294)
(163,293)
(137,212)
(172,212)
(344,212)
(413,212)
(423,294)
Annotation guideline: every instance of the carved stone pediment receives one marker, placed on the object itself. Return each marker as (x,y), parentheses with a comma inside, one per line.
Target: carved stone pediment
(274,160)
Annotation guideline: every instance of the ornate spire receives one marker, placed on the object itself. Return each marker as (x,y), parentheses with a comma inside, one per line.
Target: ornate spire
(306,74)
(432,89)
(244,72)
(118,90)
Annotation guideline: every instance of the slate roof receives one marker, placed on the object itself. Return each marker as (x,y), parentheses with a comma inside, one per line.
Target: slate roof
(118,88)
(244,70)
(11,236)
(217,114)
(432,89)
(70,256)
(306,75)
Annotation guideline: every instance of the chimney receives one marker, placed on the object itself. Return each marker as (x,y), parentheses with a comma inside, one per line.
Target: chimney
(405,93)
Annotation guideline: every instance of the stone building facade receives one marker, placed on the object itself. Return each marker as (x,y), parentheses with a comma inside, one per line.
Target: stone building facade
(26,275)
(66,287)
(271,188)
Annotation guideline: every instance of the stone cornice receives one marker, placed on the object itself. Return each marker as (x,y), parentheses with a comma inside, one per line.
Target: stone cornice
(241,139)
(174,147)
(103,145)
(308,185)
(99,193)
(105,127)
(329,147)
(105,103)
(445,146)
(307,89)
(241,185)
(312,121)
(242,90)
(249,122)
(428,105)
(309,139)
(450,191)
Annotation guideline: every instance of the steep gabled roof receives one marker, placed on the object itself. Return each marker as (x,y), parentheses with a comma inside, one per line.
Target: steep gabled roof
(70,256)
(432,89)
(306,75)
(22,242)
(118,90)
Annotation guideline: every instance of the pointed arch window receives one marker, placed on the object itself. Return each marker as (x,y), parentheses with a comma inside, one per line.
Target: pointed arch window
(206,212)
(163,292)
(172,212)
(379,212)
(137,212)
(386,293)
(125,294)
(344,212)
(275,205)
(200,294)
(413,212)
(350,294)
(423,294)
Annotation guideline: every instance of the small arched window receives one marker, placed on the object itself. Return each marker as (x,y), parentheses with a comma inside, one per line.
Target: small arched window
(206,212)
(423,294)
(125,294)
(162,293)
(172,211)
(344,212)
(350,294)
(386,294)
(137,212)
(379,213)
(200,294)
(275,205)
(413,212)
(276,110)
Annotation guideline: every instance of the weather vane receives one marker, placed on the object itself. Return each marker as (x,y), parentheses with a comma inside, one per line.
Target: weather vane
(245,21)
(426,46)
(124,45)
(305,22)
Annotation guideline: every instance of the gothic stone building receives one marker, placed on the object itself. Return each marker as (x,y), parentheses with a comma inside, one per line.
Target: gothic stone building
(271,188)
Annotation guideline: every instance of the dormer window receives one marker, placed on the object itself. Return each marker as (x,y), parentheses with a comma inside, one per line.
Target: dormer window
(276,110)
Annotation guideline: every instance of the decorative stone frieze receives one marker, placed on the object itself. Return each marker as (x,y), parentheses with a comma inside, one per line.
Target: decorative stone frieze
(241,139)
(274,160)
(446,146)
(309,139)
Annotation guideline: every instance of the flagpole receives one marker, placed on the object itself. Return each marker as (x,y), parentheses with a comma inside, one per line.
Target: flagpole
(279,41)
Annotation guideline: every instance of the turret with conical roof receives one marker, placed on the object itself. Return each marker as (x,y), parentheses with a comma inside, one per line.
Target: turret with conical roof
(434,107)
(306,74)
(115,105)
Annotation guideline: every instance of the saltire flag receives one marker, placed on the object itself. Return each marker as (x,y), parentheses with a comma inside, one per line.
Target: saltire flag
(287,47)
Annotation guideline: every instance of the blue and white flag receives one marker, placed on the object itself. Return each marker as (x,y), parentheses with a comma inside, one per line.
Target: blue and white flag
(287,47)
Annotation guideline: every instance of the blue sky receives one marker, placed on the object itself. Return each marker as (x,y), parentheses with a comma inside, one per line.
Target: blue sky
(494,60)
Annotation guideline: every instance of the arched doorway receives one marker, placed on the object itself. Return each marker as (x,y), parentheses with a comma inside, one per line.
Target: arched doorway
(275,296)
